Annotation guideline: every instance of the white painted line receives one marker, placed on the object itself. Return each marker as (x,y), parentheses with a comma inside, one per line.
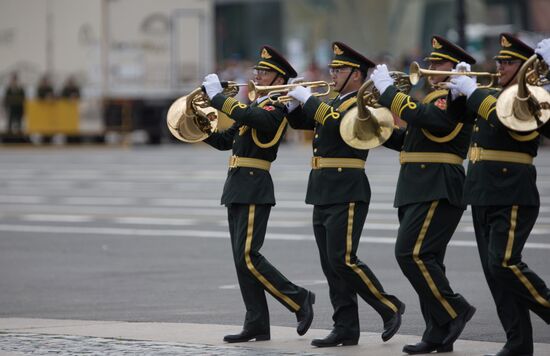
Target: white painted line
(155,221)
(206,234)
(21,199)
(58,218)
(98,201)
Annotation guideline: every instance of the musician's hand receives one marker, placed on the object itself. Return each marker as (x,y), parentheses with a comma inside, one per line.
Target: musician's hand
(212,85)
(463,67)
(300,93)
(381,78)
(462,84)
(543,50)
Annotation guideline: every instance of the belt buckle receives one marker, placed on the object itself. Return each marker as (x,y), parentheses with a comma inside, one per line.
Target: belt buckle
(315,162)
(475,154)
(232,161)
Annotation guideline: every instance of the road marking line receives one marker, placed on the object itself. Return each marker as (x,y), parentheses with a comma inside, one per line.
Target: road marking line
(206,234)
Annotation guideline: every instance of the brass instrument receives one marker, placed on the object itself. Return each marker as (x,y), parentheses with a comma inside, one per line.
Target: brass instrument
(191,118)
(526,106)
(369,125)
(415,72)
(276,92)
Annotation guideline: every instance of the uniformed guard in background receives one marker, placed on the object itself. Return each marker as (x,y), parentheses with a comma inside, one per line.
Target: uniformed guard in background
(249,195)
(340,192)
(501,187)
(432,149)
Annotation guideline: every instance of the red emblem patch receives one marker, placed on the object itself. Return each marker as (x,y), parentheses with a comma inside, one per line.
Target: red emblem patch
(441,103)
(269,108)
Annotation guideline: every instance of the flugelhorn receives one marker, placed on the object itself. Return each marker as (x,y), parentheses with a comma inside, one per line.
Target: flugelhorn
(416,72)
(276,93)
(526,106)
(191,118)
(369,125)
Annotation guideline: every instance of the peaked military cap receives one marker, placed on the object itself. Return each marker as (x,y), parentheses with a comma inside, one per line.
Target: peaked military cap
(345,56)
(272,60)
(445,50)
(513,48)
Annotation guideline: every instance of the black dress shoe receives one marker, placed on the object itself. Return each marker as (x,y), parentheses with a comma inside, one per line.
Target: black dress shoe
(457,325)
(335,339)
(392,325)
(424,347)
(305,314)
(247,335)
(506,352)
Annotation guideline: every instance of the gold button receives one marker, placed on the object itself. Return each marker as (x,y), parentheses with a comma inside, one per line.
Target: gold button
(316,136)
(475,144)
(339,169)
(406,132)
(251,173)
(504,170)
(234,141)
(422,166)
(476,129)
(314,150)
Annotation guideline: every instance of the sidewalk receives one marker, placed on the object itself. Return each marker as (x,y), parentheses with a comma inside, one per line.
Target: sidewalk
(20,336)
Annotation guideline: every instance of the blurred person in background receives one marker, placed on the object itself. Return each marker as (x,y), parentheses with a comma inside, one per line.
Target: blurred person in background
(339,191)
(248,195)
(14,104)
(44,91)
(428,196)
(70,89)
(501,188)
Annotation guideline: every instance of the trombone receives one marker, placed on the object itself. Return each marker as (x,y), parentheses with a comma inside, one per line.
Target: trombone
(416,72)
(276,93)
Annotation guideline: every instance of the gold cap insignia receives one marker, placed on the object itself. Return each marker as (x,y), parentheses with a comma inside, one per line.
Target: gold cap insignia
(436,44)
(504,42)
(337,50)
(265,54)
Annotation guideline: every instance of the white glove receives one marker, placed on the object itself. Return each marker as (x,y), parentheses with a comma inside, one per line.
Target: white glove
(543,49)
(212,85)
(293,104)
(381,78)
(463,67)
(300,93)
(463,85)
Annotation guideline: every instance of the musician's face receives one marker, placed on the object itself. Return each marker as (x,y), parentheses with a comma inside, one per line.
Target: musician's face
(440,65)
(508,69)
(264,77)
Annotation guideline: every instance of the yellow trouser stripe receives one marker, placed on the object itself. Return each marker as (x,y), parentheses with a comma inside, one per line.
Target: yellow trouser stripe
(508,254)
(356,269)
(422,266)
(253,270)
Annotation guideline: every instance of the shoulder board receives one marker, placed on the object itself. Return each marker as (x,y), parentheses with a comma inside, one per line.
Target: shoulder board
(434,95)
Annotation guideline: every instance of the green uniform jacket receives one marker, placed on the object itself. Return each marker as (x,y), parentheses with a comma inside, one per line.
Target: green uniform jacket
(266,122)
(331,185)
(429,129)
(493,182)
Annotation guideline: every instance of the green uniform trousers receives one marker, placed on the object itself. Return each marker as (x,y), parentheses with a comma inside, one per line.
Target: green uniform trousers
(501,233)
(425,230)
(337,229)
(247,227)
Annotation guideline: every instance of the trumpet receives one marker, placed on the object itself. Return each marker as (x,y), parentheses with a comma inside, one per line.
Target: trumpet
(276,93)
(415,72)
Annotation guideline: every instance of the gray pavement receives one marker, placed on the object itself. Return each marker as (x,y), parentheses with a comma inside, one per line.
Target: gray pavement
(137,237)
